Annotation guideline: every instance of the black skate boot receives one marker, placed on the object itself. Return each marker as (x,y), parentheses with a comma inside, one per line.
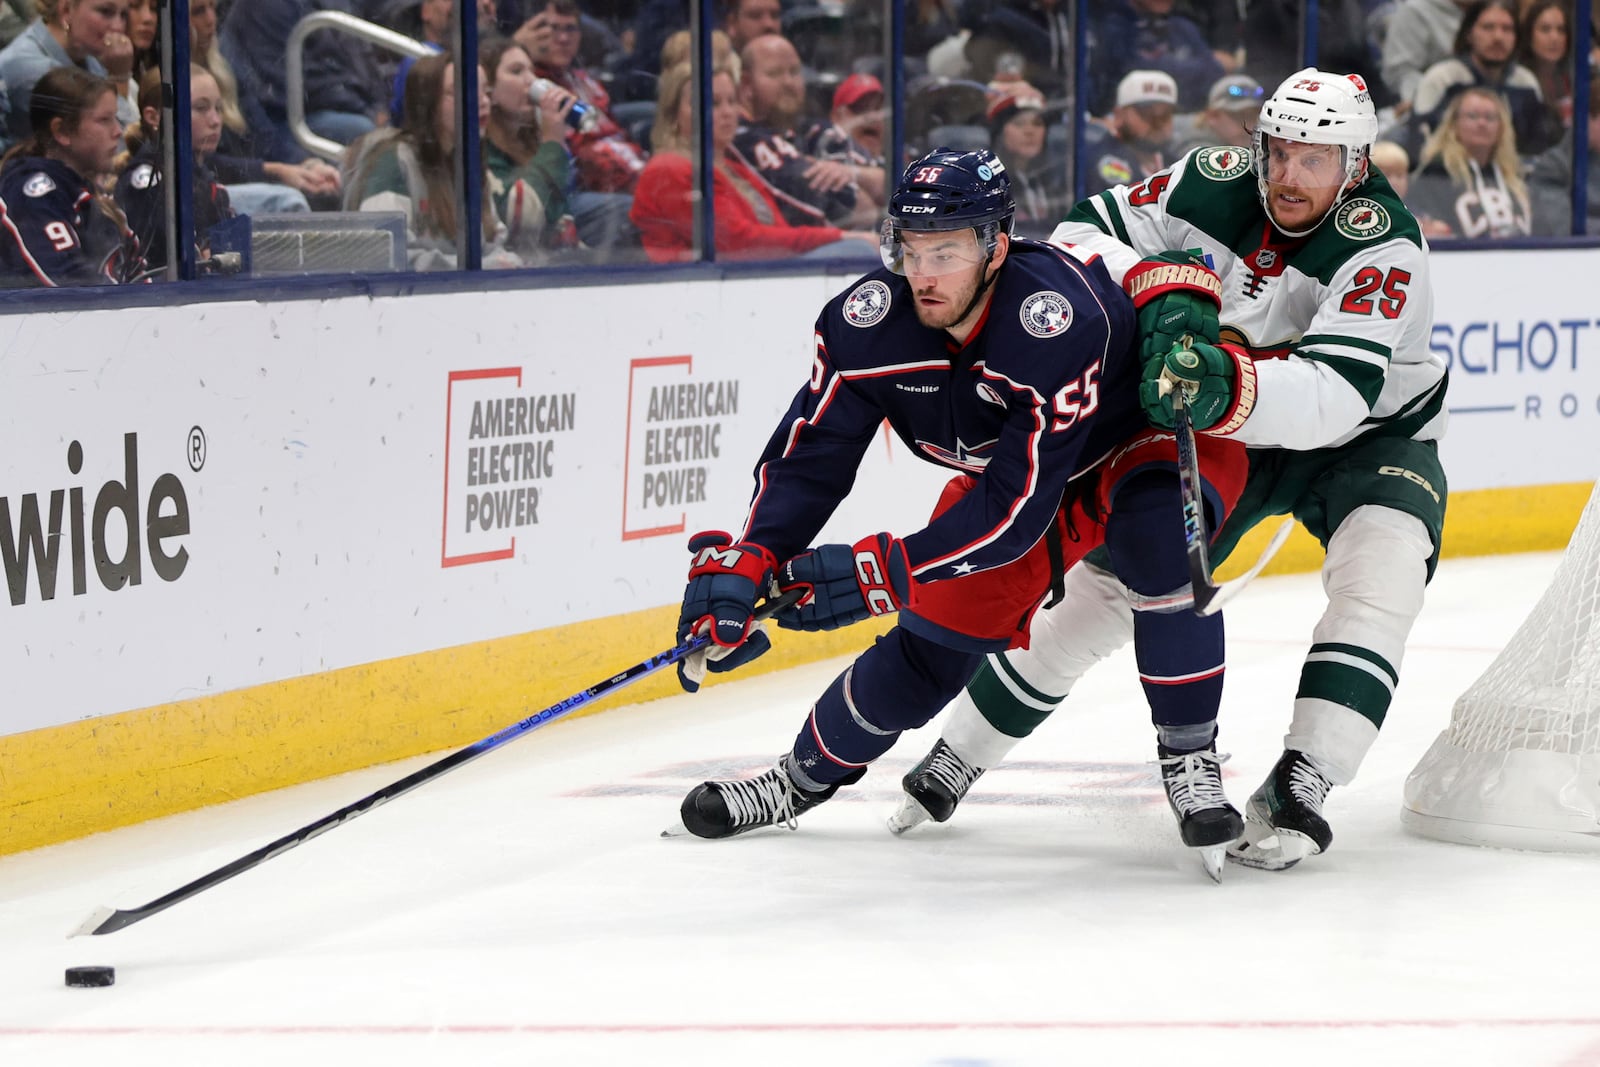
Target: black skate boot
(1206,821)
(736,806)
(1283,818)
(933,788)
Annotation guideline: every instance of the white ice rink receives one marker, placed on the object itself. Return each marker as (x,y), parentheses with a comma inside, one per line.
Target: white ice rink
(523,910)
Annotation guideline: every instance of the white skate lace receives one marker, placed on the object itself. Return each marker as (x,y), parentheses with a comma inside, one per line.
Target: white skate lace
(1307,785)
(955,773)
(767,799)
(1193,785)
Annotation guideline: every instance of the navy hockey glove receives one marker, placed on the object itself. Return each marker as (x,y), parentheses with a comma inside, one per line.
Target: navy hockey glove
(725,580)
(1175,294)
(1219,384)
(846,583)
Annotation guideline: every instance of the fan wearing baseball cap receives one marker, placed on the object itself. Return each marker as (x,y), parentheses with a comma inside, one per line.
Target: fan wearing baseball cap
(1018,131)
(1232,107)
(853,133)
(1137,141)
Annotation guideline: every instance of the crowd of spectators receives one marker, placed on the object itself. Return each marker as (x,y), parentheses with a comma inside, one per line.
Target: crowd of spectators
(587,119)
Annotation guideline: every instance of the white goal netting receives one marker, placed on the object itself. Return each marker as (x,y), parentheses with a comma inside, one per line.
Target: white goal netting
(1519,765)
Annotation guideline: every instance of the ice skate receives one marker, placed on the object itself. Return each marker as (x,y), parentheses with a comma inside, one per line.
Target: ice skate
(933,788)
(1283,818)
(1206,821)
(735,806)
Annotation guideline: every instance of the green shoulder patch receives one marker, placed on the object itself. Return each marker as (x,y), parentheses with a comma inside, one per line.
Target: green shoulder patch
(1222,163)
(1362,219)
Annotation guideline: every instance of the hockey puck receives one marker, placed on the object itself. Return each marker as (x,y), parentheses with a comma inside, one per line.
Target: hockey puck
(91,976)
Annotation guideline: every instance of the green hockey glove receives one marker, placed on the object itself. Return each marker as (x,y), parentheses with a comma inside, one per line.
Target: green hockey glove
(1219,384)
(1175,294)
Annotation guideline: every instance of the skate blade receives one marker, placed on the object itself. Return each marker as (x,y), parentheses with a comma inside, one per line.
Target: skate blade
(908,816)
(1273,851)
(677,829)
(1212,858)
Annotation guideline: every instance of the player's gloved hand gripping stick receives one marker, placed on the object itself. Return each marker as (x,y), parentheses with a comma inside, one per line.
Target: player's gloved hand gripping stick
(1172,386)
(106,920)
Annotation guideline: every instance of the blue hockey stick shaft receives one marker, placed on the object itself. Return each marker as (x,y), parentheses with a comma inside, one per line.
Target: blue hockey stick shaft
(107,920)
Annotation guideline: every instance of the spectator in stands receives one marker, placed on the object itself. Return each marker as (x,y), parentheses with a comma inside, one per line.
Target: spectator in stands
(255,186)
(680,48)
(1546,50)
(1419,34)
(608,163)
(928,22)
(1395,163)
(1270,36)
(637,71)
(412,170)
(1550,180)
(745,20)
(344,93)
(748,224)
(1485,50)
(56,227)
(1230,116)
(1146,35)
(1469,183)
(772,98)
(89,34)
(525,146)
(1017,131)
(141,192)
(1137,142)
(853,133)
(143,26)
(1030,39)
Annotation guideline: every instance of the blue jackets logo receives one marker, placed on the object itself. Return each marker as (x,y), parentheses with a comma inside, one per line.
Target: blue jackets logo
(867,305)
(1046,314)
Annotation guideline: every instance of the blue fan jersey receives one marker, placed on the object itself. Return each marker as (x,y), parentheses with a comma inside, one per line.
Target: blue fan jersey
(1044,389)
(53,233)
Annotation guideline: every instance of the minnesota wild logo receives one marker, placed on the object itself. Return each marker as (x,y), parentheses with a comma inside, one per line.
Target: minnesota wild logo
(1362,219)
(1223,162)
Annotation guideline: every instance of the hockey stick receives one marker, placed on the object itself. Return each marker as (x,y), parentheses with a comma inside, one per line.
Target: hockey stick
(106,920)
(1205,596)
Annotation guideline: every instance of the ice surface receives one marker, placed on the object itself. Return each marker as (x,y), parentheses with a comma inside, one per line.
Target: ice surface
(523,910)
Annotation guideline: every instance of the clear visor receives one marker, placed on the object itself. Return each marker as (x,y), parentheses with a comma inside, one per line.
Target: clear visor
(1306,166)
(928,255)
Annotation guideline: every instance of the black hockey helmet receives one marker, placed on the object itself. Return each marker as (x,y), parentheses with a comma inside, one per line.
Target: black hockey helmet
(949,190)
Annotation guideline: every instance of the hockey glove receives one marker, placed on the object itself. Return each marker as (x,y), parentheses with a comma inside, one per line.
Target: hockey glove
(1175,294)
(846,583)
(1219,384)
(725,580)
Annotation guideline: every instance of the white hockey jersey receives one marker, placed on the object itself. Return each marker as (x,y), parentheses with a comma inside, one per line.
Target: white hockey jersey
(1338,320)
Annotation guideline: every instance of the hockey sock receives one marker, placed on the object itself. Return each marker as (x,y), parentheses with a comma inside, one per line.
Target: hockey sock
(1180,655)
(899,683)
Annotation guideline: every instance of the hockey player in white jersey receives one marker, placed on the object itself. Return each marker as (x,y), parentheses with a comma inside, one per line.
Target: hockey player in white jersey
(1323,368)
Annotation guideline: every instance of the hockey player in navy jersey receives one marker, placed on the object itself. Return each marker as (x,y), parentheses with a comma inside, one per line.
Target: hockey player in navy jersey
(1326,372)
(55,227)
(1015,364)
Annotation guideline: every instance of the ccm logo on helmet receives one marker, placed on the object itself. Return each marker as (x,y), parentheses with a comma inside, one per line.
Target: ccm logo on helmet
(918,209)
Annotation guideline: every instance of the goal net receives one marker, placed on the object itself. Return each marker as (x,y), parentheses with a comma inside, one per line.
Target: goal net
(1519,765)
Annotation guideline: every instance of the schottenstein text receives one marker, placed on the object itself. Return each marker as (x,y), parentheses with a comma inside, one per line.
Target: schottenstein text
(682,435)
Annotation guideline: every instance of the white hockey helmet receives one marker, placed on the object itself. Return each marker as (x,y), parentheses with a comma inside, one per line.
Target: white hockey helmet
(1316,107)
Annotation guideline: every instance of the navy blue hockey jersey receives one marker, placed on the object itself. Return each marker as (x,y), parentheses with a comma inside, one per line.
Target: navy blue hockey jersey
(53,233)
(1043,390)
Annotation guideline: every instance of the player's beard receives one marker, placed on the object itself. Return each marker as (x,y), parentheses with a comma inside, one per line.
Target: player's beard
(955,303)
